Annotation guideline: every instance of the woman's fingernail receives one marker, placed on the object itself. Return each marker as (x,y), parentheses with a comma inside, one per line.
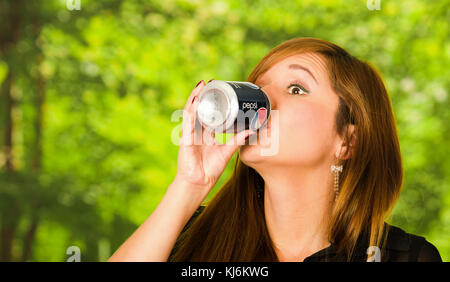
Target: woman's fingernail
(195,99)
(210,80)
(198,83)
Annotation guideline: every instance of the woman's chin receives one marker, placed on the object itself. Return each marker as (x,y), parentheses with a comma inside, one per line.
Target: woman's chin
(248,155)
(251,153)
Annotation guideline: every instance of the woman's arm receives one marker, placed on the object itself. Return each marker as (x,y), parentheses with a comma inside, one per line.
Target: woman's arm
(155,238)
(199,167)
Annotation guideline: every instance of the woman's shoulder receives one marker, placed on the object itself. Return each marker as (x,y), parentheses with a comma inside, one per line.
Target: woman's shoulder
(403,246)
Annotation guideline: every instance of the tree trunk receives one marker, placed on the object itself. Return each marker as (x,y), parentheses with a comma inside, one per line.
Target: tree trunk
(9,36)
(10,213)
(9,227)
(9,104)
(36,162)
(29,238)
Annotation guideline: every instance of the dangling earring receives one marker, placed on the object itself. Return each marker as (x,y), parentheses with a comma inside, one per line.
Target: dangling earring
(336,169)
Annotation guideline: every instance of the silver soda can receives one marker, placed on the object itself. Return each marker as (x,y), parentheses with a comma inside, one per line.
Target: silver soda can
(232,106)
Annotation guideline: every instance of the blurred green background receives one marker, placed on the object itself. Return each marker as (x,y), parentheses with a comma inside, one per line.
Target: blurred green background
(87,97)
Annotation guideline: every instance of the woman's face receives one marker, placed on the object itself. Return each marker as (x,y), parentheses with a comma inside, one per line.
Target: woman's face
(300,90)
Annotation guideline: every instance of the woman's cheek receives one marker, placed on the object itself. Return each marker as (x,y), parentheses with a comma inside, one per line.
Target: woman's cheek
(303,135)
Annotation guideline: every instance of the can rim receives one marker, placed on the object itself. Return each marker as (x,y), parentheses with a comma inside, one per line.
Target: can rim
(232,100)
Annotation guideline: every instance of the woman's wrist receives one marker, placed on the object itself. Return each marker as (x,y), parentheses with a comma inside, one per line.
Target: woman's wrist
(188,193)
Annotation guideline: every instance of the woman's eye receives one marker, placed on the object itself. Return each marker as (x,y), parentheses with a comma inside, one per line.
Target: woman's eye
(296,89)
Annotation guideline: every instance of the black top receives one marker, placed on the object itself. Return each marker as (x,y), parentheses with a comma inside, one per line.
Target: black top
(400,247)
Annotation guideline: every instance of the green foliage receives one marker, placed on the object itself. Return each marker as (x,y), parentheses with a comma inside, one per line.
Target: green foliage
(115,71)
(3,71)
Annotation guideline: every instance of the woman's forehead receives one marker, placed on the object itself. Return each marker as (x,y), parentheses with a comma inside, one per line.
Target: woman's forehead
(312,62)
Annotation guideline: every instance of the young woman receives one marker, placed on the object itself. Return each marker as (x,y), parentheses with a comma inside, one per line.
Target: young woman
(325,194)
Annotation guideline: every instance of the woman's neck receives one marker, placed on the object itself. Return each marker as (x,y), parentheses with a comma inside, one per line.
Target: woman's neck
(297,206)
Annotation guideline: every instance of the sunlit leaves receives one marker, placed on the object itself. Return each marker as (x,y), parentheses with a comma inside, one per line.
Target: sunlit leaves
(116,71)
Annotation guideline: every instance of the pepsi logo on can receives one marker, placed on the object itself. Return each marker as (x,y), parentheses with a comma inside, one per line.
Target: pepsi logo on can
(232,106)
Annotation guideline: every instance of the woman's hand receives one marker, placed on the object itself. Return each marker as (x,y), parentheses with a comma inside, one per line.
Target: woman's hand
(199,168)
(201,159)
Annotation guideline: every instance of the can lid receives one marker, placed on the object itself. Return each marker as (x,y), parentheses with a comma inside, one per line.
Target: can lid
(213,108)
(217,106)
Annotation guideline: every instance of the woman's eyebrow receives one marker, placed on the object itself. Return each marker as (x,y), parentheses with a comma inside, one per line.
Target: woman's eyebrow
(299,67)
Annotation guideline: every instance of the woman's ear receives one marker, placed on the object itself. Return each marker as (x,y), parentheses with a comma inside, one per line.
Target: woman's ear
(345,148)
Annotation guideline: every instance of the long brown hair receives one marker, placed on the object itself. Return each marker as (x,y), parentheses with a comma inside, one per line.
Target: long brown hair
(232,227)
